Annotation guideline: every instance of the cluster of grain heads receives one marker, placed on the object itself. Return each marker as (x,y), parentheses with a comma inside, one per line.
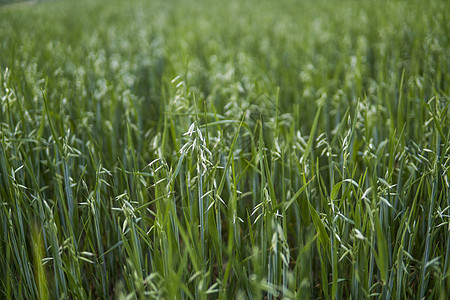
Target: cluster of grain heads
(290,150)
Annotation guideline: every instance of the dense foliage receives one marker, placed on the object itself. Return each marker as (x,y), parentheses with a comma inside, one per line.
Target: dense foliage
(225,149)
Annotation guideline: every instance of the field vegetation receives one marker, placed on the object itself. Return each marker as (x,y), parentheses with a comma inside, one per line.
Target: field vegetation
(225,149)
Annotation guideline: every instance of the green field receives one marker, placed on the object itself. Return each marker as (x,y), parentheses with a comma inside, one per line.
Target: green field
(225,149)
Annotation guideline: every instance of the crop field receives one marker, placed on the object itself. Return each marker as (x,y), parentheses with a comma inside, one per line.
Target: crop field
(290,149)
